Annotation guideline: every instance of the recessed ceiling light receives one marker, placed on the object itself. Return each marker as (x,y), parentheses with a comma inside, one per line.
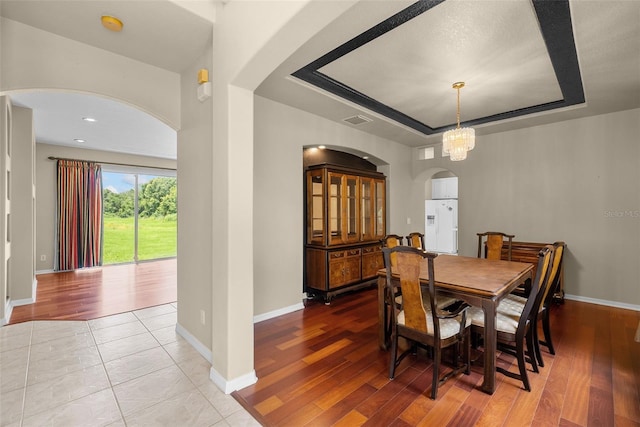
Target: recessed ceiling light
(365,157)
(111,23)
(322,147)
(79,140)
(89,119)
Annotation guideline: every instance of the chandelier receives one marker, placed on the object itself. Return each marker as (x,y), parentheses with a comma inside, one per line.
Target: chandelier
(456,142)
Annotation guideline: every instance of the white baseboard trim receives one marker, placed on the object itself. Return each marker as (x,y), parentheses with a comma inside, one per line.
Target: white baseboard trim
(200,348)
(45,271)
(281,311)
(24,301)
(230,386)
(8,308)
(608,303)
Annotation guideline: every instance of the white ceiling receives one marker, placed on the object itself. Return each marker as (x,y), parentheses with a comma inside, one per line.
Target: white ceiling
(58,120)
(496,47)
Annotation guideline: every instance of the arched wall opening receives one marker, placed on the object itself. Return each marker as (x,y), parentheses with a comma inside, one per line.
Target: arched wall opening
(39,174)
(440,208)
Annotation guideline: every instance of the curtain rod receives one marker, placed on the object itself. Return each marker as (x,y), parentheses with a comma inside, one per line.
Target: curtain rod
(112,163)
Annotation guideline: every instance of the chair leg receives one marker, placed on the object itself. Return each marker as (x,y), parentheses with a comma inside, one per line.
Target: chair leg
(521,365)
(393,356)
(532,349)
(437,354)
(467,351)
(547,331)
(536,345)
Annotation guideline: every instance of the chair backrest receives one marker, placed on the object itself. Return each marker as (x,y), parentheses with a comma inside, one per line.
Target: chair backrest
(391,241)
(409,261)
(539,285)
(494,243)
(416,240)
(554,274)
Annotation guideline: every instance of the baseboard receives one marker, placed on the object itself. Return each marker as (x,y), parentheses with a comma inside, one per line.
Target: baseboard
(26,301)
(230,386)
(8,308)
(608,303)
(45,271)
(195,343)
(281,311)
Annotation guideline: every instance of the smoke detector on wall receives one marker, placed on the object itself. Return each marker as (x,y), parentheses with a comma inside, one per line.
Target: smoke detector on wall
(358,119)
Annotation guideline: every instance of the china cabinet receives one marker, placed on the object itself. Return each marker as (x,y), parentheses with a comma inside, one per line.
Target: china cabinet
(345,220)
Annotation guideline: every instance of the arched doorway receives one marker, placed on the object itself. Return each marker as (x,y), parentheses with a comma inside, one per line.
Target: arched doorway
(441,212)
(79,127)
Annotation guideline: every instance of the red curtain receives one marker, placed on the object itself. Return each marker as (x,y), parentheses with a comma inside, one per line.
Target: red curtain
(79,215)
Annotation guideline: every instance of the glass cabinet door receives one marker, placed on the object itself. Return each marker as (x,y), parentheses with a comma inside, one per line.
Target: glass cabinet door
(352,208)
(315,208)
(366,208)
(335,208)
(380,207)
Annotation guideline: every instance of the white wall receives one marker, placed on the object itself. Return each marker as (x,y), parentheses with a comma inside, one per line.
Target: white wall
(46,189)
(577,181)
(281,132)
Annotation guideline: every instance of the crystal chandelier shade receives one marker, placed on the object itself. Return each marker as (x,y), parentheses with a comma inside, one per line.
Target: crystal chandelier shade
(457,142)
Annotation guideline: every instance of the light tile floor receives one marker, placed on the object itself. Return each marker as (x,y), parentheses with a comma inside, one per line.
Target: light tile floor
(130,369)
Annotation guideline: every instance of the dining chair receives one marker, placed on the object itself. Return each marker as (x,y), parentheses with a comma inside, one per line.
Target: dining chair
(422,324)
(515,323)
(546,299)
(493,242)
(416,240)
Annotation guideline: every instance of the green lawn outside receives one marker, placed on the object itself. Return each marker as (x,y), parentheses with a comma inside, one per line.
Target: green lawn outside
(156,239)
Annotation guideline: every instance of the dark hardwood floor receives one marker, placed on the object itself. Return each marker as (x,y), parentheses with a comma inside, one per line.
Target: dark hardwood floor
(321,366)
(102,291)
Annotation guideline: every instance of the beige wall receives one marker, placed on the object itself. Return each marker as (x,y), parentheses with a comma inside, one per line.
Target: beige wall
(195,203)
(36,59)
(577,181)
(281,132)
(46,189)
(22,272)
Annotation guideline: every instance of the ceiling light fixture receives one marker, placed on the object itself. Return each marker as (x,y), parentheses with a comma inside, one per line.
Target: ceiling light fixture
(456,142)
(111,23)
(89,119)
(79,140)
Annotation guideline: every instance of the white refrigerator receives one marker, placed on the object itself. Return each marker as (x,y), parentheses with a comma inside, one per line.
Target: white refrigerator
(441,226)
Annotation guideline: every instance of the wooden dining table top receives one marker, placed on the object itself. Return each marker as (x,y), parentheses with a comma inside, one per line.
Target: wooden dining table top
(475,276)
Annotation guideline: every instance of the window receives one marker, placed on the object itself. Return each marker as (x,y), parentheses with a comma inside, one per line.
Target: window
(140,214)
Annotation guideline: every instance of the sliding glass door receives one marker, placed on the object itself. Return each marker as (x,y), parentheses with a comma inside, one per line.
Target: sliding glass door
(140,215)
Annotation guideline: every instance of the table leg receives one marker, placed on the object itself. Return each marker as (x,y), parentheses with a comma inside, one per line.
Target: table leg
(490,345)
(382,314)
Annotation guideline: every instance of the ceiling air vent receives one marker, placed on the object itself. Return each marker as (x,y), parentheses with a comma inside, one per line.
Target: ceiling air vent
(357,120)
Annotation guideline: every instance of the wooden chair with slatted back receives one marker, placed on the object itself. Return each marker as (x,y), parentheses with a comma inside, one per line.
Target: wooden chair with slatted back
(416,240)
(422,324)
(516,323)
(391,241)
(546,298)
(494,242)
(556,274)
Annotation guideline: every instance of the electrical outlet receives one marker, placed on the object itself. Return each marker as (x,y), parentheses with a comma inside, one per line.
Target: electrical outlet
(202,317)
(408,220)
(43,257)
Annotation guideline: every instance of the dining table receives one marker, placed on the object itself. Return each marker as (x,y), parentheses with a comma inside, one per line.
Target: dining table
(478,281)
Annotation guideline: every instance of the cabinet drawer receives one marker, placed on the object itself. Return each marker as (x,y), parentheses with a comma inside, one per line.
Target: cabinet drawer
(353,252)
(371,249)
